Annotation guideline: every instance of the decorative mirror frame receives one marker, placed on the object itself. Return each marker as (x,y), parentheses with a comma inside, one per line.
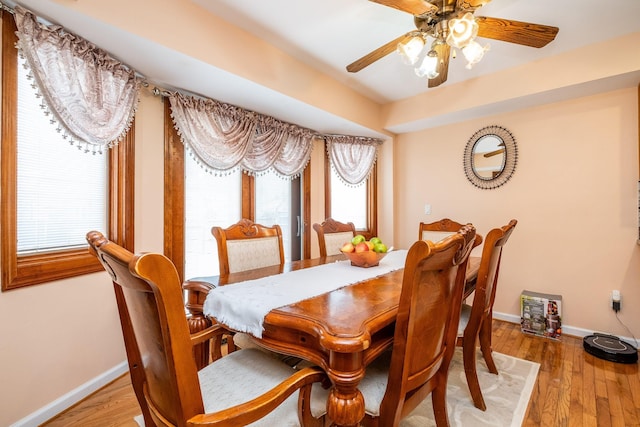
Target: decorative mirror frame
(511,157)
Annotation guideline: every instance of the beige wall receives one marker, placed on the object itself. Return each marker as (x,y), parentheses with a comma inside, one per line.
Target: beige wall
(574,194)
(58,336)
(55,337)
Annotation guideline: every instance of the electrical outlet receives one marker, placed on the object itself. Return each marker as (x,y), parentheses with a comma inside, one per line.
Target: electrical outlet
(427,209)
(615,300)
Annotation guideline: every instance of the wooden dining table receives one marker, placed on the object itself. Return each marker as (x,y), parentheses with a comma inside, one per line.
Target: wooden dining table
(342,331)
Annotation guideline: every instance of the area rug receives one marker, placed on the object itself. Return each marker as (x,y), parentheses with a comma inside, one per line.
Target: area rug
(506,395)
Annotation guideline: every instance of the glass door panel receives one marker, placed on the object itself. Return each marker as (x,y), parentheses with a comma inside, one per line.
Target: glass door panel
(278,201)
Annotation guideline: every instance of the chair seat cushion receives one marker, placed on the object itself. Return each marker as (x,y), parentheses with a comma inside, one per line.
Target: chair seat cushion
(472,268)
(319,397)
(465,314)
(242,376)
(244,340)
(373,386)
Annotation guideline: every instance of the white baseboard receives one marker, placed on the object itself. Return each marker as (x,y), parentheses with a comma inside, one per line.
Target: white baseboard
(74,396)
(566,330)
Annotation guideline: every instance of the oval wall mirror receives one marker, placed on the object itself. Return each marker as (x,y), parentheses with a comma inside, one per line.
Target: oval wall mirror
(490,157)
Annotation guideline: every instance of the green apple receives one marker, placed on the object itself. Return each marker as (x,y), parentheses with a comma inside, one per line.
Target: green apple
(380,247)
(375,240)
(358,239)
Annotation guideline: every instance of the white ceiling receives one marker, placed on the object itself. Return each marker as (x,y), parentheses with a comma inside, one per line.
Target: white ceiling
(328,35)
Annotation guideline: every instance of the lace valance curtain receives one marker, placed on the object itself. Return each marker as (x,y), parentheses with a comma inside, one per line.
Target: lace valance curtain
(226,138)
(352,157)
(92,96)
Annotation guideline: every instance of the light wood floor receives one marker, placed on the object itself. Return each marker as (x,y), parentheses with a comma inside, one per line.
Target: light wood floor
(573,388)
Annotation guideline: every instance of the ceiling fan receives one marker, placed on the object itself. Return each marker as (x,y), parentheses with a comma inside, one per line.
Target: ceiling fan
(451,24)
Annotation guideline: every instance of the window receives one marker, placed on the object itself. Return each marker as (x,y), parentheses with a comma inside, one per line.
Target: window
(209,201)
(212,200)
(345,203)
(196,200)
(348,204)
(48,194)
(48,209)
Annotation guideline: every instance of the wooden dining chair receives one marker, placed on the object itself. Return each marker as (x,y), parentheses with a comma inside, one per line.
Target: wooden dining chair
(445,227)
(438,230)
(476,320)
(332,235)
(244,387)
(424,338)
(243,246)
(246,245)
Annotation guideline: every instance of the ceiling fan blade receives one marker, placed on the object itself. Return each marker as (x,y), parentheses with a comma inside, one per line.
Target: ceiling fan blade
(444,52)
(524,33)
(494,153)
(379,53)
(414,7)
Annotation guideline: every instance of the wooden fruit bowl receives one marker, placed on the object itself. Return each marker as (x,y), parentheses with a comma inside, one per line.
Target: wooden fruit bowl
(365,259)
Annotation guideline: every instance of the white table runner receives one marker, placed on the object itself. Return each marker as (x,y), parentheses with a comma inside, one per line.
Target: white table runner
(242,306)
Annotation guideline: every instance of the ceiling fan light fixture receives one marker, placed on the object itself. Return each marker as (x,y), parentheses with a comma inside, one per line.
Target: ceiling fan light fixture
(473,53)
(410,50)
(429,66)
(462,31)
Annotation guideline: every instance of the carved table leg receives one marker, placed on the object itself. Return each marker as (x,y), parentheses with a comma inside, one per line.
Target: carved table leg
(345,405)
(195,294)
(199,323)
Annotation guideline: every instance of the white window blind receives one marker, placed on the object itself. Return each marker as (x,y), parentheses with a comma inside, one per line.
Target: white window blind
(348,203)
(62,191)
(209,200)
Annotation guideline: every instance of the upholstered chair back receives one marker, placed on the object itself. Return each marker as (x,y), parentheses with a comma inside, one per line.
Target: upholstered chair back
(332,235)
(247,246)
(441,229)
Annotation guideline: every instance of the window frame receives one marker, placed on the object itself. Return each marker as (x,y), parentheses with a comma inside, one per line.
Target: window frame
(25,270)
(372,198)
